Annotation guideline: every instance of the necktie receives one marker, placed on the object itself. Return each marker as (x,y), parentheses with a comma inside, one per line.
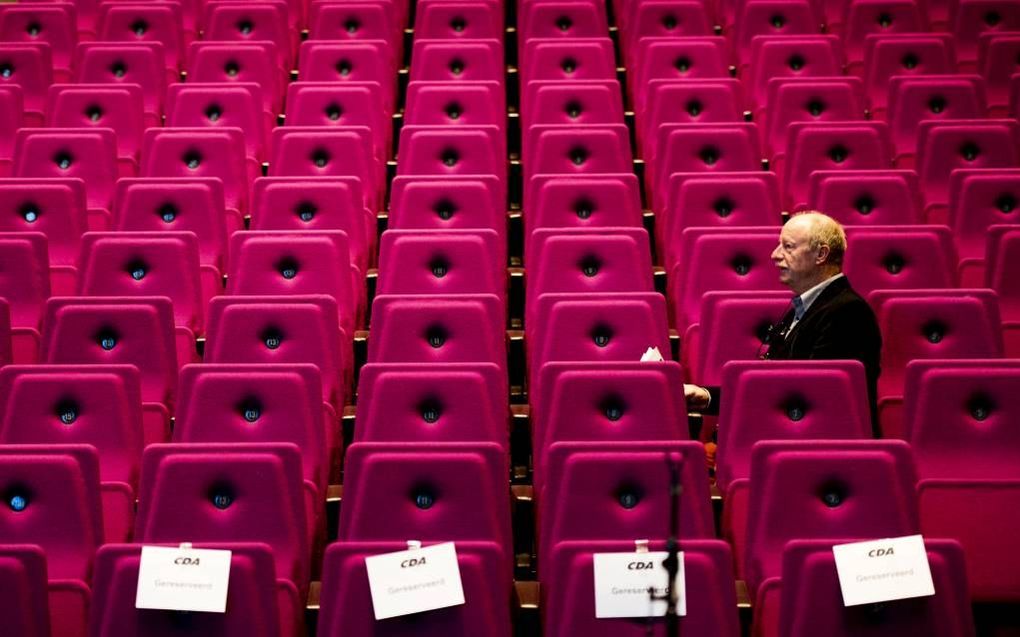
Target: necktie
(798,308)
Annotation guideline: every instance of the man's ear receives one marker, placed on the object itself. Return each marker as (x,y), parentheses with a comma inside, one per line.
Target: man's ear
(823,254)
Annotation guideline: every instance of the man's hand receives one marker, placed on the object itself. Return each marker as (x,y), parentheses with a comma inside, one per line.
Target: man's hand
(697,397)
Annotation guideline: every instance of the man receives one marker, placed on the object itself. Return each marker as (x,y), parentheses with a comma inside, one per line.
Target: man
(827,320)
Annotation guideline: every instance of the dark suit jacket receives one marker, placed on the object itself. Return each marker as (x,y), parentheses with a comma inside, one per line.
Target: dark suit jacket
(839,325)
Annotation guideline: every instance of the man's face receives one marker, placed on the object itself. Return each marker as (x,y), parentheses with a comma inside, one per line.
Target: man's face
(798,264)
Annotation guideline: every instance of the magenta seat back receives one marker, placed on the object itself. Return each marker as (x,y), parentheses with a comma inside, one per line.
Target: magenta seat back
(145,264)
(958,416)
(997,64)
(30,67)
(826,490)
(449,402)
(160,22)
(947,146)
(119,107)
(587,260)
(710,101)
(430,492)
(820,99)
(625,494)
(457,61)
(891,257)
(932,97)
(235,105)
(570,607)
(787,400)
(287,262)
(252,404)
(347,104)
(573,60)
(459,103)
(315,203)
(252,608)
(125,63)
(979,199)
(878,17)
(347,602)
(6,340)
(701,148)
(437,329)
(353,21)
(969,19)
(557,19)
(811,599)
(295,329)
(903,54)
(226,493)
(866,197)
(721,200)
(261,21)
(98,405)
(661,19)
(771,57)
(724,259)
(596,149)
(468,20)
(23,575)
(582,201)
(12,112)
(89,154)
(445,150)
(441,262)
(52,23)
(310,151)
(247,62)
(695,58)
(24,277)
(572,103)
(918,324)
(175,205)
(52,500)
(199,152)
(441,203)
(834,146)
(733,326)
(361,61)
(135,331)
(768,18)
(54,207)
(608,402)
(1003,257)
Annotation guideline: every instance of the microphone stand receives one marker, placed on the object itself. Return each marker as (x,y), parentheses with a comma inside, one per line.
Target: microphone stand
(672,561)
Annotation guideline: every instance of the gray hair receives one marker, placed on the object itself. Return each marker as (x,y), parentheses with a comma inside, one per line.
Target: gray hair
(824,230)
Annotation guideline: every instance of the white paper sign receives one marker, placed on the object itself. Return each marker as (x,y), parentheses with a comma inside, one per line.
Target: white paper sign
(414,581)
(183,579)
(652,355)
(622,581)
(883,570)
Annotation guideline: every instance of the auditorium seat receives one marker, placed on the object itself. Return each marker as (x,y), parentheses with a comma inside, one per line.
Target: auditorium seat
(772,57)
(437,329)
(245,403)
(258,604)
(807,597)
(349,104)
(216,105)
(245,22)
(969,19)
(118,107)
(55,208)
(283,329)
(50,22)
(886,56)
(998,52)
(458,20)
(1003,256)
(316,204)
(589,102)
(24,287)
(684,101)
(866,197)
(625,494)
(30,67)
(658,19)
(913,100)
(900,257)
(569,607)
(576,150)
(864,18)
(978,200)
(60,484)
(811,99)
(770,18)
(331,21)
(135,331)
(432,402)
(349,61)
(6,349)
(787,400)
(690,58)
(89,154)
(610,200)
(95,405)
(346,601)
(254,61)
(139,23)
(430,492)
(562,20)
(442,262)
(127,63)
(576,59)
(26,608)
(446,202)
(208,492)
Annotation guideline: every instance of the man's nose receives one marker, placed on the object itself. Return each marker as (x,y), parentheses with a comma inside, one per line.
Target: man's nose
(776,255)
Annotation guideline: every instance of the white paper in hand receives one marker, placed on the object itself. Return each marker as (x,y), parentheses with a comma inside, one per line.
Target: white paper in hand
(652,355)
(171,578)
(622,581)
(883,570)
(414,581)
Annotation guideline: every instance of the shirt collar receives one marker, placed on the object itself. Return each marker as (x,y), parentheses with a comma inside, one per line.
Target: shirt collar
(811,295)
